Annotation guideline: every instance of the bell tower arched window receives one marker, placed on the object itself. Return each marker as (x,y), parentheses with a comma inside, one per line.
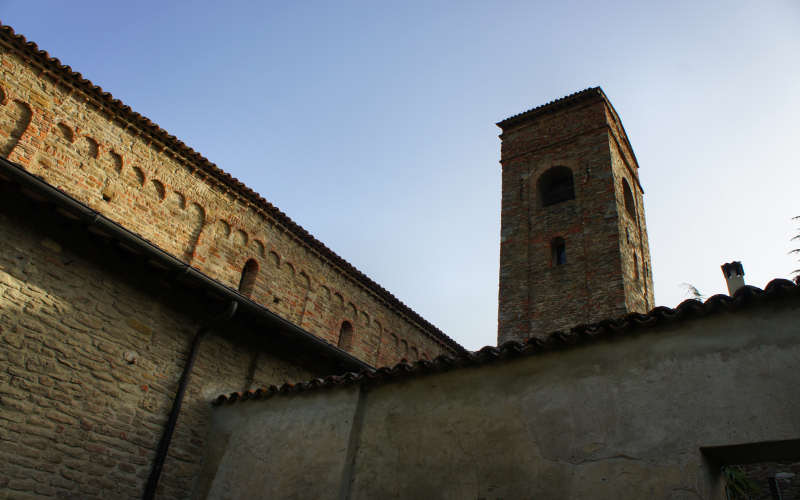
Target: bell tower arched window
(248,280)
(556,185)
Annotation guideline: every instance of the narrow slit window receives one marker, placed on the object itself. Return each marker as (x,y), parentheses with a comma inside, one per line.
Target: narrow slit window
(248,280)
(635,266)
(627,194)
(558,249)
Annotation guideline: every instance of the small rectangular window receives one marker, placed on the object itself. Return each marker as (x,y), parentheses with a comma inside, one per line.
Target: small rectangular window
(559,251)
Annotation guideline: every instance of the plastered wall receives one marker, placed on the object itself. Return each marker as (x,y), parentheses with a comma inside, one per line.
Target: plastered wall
(117,167)
(623,418)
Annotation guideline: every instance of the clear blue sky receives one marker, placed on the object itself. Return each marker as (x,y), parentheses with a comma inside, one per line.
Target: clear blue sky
(372,123)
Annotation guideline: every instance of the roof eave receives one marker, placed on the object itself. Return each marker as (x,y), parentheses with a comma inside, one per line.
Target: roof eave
(553,106)
(99,224)
(104,100)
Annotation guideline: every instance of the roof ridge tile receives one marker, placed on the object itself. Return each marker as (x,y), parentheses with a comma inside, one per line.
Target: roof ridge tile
(579,334)
(552,106)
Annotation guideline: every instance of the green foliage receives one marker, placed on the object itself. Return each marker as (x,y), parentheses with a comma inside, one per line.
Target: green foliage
(692,292)
(737,485)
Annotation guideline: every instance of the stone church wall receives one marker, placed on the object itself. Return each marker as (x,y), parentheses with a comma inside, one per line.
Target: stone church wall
(91,351)
(624,417)
(174,198)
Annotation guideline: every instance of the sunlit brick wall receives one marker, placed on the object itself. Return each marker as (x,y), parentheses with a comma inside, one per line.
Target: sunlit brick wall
(92,351)
(78,144)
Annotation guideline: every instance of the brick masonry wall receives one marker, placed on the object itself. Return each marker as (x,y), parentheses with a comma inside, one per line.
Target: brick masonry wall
(634,245)
(72,142)
(599,279)
(92,349)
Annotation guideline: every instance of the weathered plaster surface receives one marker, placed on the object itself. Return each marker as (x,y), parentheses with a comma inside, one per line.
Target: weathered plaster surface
(281,450)
(612,419)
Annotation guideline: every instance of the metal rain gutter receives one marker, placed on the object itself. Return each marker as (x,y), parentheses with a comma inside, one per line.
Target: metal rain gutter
(97,222)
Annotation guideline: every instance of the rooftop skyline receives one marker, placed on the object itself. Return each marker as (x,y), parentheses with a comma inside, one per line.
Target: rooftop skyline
(374,129)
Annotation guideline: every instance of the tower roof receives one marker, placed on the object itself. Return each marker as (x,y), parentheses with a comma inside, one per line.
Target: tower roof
(571,100)
(555,105)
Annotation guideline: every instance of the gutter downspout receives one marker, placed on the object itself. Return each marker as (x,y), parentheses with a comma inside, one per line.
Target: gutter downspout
(169,429)
(97,223)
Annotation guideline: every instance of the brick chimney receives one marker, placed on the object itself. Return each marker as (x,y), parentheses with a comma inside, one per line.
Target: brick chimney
(734,276)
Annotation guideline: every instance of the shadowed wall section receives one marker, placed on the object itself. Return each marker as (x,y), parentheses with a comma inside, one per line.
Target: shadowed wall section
(619,418)
(92,347)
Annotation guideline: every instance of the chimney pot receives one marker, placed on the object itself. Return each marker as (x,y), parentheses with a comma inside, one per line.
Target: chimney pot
(734,276)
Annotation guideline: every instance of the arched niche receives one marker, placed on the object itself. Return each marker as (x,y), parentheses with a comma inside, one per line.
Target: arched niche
(247,282)
(345,336)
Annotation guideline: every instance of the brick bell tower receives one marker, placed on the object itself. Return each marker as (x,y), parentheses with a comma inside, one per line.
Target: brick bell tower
(573,241)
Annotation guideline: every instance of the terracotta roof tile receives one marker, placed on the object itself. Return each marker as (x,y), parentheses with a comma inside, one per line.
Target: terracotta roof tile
(578,335)
(553,106)
(56,69)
